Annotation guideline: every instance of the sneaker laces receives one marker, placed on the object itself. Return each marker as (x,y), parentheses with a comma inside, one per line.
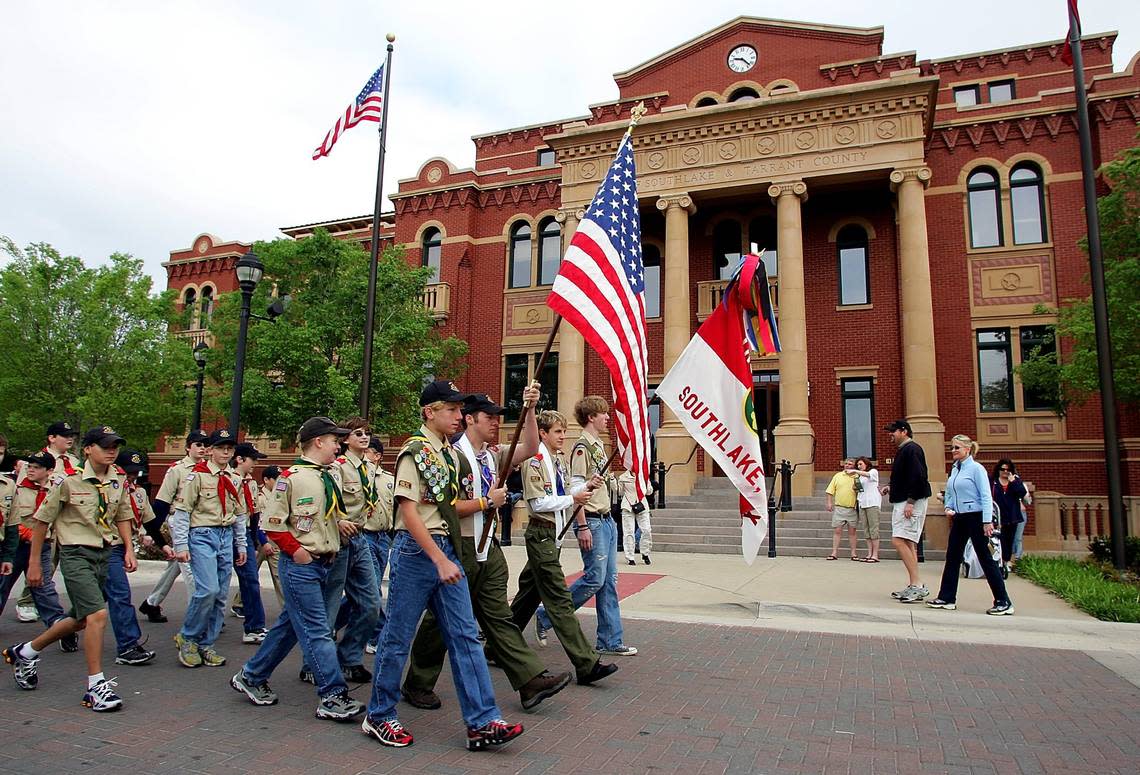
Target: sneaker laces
(395,727)
(105,688)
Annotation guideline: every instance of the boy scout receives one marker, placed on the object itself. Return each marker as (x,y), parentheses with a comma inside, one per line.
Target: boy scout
(19,509)
(487,571)
(428,546)
(378,529)
(208,526)
(360,610)
(267,550)
(196,450)
(86,509)
(550,503)
(301,518)
(597,539)
(249,584)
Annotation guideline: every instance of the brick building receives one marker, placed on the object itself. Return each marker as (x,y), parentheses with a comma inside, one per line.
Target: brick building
(912,214)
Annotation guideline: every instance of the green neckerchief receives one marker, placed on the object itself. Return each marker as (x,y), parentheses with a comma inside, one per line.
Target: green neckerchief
(365,483)
(333,497)
(100,486)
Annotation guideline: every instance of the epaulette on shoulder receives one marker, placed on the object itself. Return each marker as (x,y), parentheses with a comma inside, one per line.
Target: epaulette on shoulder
(288,472)
(120,470)
(172,465)
(342,460)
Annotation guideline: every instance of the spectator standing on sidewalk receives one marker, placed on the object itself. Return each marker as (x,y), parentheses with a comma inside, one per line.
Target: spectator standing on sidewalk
(635,514)
(870,503)
(1009,493)
(909,492)
(843,503)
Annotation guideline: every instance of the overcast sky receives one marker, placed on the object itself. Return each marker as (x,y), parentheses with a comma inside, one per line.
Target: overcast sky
(135,126)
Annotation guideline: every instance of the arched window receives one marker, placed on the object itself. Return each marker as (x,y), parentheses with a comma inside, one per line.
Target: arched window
(1027,201)
(743,94)
(431,251)
(854,274)
(983,192)
(190,308)
(549,250)
(520,255)
(726,248)
(207,306)
(651,258)
(704,102)
(762,238)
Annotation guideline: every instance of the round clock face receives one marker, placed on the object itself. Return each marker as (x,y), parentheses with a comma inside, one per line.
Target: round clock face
(742,59)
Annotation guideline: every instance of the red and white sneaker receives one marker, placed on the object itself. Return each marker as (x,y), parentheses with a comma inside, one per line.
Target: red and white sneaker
(496,732)
(390,733)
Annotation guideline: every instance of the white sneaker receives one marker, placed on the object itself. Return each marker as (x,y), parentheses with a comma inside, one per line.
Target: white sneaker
(101,697)
(621,651)
(27,613)
(257,636)
(370,648)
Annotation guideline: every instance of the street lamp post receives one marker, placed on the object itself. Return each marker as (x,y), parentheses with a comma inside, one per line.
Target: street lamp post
(200,359)
(249,270)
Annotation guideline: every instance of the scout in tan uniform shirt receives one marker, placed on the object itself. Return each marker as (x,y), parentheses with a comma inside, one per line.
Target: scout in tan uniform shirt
(301,518)
(86,509)
(428,476)
(208,525)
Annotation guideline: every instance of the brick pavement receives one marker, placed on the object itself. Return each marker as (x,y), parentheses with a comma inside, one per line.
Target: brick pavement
(698,699)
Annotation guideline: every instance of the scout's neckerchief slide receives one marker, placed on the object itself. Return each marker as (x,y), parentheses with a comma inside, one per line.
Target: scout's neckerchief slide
(601,472)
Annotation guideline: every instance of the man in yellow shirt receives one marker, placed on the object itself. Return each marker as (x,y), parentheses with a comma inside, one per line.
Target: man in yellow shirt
(843,502)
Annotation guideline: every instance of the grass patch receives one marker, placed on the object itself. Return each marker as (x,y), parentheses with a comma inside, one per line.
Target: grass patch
(1084,585)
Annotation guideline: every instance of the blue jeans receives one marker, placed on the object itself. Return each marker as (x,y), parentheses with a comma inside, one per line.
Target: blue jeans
(304,620)
(249,586)
(1017,538)
(361,606)
(381,545)
(415,586)
(599,578)
(117,590)
(45,597)
(333,590)
(211,562)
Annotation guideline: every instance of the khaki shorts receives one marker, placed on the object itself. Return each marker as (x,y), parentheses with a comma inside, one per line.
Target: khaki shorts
(910,529)
(84,570)
(844,515)
(869,522)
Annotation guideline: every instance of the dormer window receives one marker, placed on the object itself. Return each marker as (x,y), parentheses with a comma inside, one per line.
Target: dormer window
(965,96)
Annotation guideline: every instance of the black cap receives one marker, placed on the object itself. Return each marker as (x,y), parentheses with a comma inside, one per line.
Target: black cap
(197,437)
(104,436)
(899,425)
(441,390)
(221,437)
(43,458)
(375,444)
(62,428)
(130,460)
(271,472)
(247,450)
(481,402)
(319,426)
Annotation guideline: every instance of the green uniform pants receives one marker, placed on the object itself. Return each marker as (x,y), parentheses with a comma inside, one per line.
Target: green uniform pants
(542,580)
(487,582)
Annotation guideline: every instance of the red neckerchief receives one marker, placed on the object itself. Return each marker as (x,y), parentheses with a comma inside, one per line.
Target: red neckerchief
(68,468)
(249,502)
(41,492)
(225,484)
(131,489)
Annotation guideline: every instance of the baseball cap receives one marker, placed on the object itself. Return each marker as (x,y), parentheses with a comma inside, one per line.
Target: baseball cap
(481,402)
(43,459)
(245,449)
(61,428)
(319,426)
(104,436)
(441,390)
(220,437)
(375,444)
(899,425)
(197,437)
(130,461)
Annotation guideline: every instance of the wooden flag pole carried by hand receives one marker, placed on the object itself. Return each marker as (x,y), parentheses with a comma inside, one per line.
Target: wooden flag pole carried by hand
(601,472)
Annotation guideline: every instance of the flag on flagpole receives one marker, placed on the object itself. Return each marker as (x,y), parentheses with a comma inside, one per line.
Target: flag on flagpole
(368,106)
(709,389)
(600,291)
(1067,51)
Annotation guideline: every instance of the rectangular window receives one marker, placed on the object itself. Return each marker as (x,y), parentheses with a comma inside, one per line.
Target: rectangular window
(1001,91)
(858,417)
(546,157)
(995,370)
(514,380)
(1037,342)
(653,287)
(853,275)
(549,381)
(985,218)
(964,96)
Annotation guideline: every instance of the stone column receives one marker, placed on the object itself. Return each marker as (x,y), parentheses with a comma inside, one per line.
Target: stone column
(674,444)
(916,308)
(571,346)
(795,438)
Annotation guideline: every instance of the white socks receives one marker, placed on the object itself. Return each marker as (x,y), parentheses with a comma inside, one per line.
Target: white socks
(92,680)
(27,652)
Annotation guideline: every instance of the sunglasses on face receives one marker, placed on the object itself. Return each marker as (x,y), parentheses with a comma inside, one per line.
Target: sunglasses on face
(955,446)
(1004,470)
(361,432)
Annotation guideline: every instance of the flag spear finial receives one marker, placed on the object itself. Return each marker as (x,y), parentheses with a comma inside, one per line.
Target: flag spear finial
(635,115)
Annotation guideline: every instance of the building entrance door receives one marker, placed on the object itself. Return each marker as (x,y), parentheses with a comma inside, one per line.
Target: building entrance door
(766,399)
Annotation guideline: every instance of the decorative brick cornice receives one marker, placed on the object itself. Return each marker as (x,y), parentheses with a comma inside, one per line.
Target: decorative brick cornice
(980,61)
(873,67)
(516,194)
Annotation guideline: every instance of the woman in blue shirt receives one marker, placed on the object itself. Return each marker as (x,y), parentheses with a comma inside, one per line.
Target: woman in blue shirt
(969,506)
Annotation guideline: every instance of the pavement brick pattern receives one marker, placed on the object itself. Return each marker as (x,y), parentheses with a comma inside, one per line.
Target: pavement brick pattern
(698,699)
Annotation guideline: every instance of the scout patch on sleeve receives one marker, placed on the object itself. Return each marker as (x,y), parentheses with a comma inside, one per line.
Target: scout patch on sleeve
(536,464)
(304,501)
(305,524)
(282,486)
(190,478)
(536,478)
(57,480)
(403,483)
(549,490)
(276,521)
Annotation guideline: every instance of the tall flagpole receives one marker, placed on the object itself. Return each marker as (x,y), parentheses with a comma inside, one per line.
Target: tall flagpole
(370,315)
(1117,525)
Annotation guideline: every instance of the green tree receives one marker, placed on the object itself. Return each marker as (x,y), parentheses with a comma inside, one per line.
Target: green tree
(88,345)
(1073,378)
(310,360)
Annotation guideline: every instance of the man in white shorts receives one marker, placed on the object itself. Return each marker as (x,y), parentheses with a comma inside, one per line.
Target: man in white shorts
(909,492)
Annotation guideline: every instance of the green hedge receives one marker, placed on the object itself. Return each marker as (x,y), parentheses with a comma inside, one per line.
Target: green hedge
(1085,586)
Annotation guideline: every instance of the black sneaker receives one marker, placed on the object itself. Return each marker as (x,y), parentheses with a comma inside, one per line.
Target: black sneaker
(23,670)
(630,562)
(940,603)
(645,559)
(495,732)
(153,613)
(389,733)
(357,674)
(238,611)
(1001,609)
(306,676)
(597,673)
(135,655)
(101,697)
(69,644)
(339,707)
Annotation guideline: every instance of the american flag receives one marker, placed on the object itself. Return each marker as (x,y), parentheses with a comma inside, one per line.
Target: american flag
(366,107)
(600,291)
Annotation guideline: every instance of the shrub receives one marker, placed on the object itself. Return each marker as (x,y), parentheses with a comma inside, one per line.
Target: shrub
(1085,586)
(1101,548)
